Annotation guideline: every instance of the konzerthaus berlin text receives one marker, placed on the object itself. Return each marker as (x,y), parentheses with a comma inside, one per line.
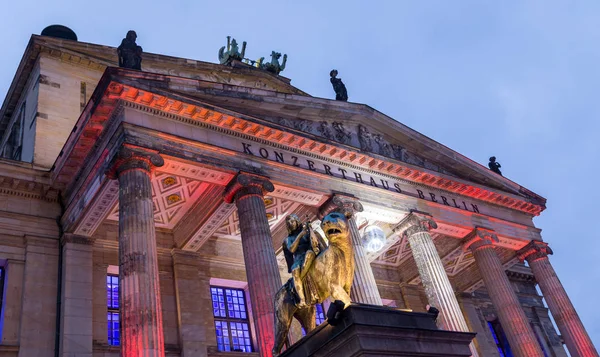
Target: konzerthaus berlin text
(145,209)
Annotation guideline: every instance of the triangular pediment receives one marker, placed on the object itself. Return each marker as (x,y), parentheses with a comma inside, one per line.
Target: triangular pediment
(347,124)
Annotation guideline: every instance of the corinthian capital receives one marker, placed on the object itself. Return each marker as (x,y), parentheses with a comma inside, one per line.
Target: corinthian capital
(131,157)
(534,250)
(245,183)
(479,238)
(415,222)
(346,204)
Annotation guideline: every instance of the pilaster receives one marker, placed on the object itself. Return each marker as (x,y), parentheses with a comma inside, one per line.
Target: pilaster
(99,303)
(515,324)
(77,294)
(567,320)
(13,295)
(247,191)
(194,305)
(364,287)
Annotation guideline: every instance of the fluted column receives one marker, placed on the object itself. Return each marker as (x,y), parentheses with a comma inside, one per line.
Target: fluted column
(569,324)
(139,298)
(262,271)
(438,289)
(364,287)
(515,324)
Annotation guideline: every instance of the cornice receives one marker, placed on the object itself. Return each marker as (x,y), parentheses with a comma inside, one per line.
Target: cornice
(231,125)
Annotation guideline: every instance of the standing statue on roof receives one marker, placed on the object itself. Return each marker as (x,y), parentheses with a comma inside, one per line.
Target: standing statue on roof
(338,86)
(494,166)
(130,54)
(232,53)
(273,66)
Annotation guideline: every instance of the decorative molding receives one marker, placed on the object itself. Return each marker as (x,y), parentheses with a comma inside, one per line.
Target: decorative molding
(208,228)
(27,189)
(247,183)
(200,116)
(199,173)
(533,251)
(172,196)
(480,238)
(346,204)
(99,209)
(396,254)
(300,196)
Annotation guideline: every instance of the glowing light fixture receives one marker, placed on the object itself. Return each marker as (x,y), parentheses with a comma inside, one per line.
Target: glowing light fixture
(373,238)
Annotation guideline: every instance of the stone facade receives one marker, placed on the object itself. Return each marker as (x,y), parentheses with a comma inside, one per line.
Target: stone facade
(177,178)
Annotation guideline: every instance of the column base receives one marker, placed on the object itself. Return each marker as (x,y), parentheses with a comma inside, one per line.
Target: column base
(367,330)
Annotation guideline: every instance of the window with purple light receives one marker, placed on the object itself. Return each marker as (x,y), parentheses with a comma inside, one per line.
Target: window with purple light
(231,319)
(112,302)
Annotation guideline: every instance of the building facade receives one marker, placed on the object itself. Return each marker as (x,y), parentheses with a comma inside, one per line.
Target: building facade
(142,213)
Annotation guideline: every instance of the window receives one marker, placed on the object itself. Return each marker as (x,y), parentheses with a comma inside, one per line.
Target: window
(2,271)
(320,317)
(500,339)
(231,319)
(112,302)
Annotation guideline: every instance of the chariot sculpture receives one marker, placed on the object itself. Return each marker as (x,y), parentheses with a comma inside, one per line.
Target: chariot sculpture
(319,271)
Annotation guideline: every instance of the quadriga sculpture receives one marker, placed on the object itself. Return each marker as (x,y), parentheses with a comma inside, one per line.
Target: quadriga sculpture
(328,271)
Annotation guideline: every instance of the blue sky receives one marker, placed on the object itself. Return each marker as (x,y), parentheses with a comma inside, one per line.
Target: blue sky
(514,79)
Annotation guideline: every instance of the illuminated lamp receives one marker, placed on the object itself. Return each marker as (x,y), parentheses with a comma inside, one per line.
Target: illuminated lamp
(373,238)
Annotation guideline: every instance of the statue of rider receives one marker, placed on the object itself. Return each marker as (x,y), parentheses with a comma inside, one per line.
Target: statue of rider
(300,248)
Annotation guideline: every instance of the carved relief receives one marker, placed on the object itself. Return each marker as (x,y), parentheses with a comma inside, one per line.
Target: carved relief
(364,137)
(385,148)
(325,130)
(398,152)
(303,125)
(341,134)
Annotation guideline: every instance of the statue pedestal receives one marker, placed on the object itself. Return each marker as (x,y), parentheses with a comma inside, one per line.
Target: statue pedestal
(367,330)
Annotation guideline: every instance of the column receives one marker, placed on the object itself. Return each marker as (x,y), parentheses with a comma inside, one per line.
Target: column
(99,301)
(364,287)
(569,324)
(139,298)
(247,191)
(510,313)
(438,289)
(76,306)
(13,293)
(194,305)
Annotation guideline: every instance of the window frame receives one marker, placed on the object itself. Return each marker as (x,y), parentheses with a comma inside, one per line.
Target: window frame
(111,310)
(228,320)
(2,279)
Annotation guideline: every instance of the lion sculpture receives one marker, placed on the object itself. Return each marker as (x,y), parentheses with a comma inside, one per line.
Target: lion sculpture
(330,275)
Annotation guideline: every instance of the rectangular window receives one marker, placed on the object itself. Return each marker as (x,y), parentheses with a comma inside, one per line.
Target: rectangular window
(2,272)
(231,319)
(112,302)
(500,339)
(319,318)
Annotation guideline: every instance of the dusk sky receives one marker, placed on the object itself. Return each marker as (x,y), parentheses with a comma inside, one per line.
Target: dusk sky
(516,79)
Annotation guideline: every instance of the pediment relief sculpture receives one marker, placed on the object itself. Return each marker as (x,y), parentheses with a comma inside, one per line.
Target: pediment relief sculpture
(361,137)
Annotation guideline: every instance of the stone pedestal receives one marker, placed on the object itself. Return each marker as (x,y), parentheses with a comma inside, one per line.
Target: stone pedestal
(76,306)
(438,289)
(515,324)
(262,271)
(364,287)
(380,331)
(569,324)
(139,299)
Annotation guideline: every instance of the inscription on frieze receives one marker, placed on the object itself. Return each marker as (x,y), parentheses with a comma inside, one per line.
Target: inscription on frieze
(373,180)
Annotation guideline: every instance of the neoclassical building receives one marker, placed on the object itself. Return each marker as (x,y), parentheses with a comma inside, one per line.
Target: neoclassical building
(142,213)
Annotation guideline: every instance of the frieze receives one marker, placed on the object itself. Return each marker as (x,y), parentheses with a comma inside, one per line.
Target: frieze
(345,173)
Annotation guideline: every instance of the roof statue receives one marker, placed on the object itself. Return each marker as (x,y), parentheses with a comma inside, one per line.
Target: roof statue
(495,166)
(130,54)
(338,86)
(232,53)
(318,271)
(273,66)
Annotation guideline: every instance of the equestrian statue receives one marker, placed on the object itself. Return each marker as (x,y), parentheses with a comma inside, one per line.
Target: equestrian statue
(319,270)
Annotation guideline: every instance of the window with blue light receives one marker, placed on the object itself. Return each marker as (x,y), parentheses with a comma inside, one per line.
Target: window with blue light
(319,319)
(2,271)
(500,339)
(231,319)
(112,302)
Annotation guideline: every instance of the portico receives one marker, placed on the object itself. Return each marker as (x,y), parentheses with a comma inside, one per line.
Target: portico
(212,177)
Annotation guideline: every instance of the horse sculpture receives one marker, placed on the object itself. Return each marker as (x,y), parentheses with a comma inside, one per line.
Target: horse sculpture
(330,274)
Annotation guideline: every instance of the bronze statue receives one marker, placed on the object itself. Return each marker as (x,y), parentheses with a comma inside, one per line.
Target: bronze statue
(494,166)
(338,86)
(130,54)
(300,249)
(232,53)
(273,66)
(330,274)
